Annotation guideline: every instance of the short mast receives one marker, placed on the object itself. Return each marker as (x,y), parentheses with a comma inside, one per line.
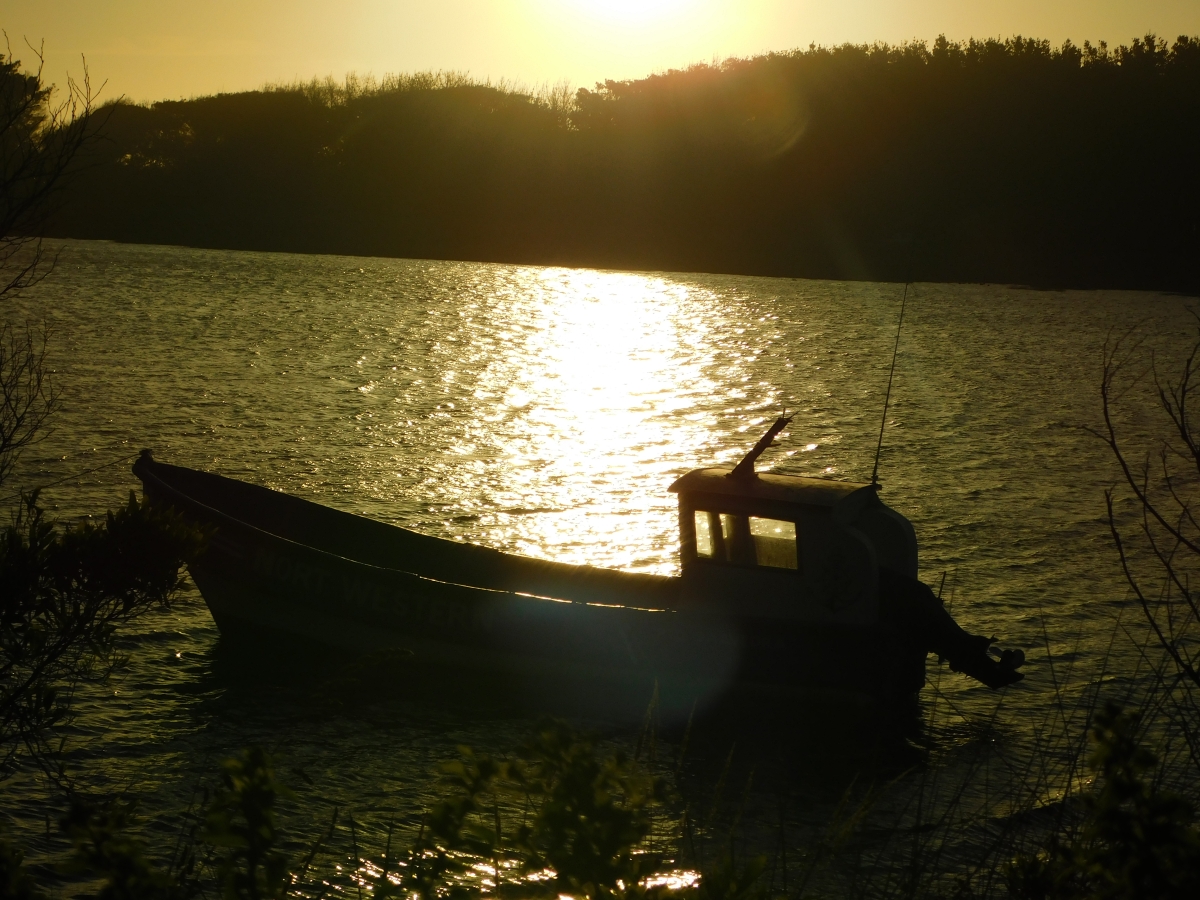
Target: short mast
(745,469)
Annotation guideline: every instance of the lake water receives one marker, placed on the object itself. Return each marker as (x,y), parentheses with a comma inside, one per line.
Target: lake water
(545,411)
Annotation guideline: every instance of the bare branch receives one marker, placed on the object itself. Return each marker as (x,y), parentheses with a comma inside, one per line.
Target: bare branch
(26,396)
(40,141)
(1167,533)
(1165,640)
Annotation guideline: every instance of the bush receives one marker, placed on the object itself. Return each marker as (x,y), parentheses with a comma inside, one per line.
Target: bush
(1135,842)
(63,595)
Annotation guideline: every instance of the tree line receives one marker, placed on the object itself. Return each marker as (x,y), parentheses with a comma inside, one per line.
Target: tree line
(995,160)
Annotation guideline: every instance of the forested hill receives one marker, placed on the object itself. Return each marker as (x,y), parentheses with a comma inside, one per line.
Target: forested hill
(1004,161)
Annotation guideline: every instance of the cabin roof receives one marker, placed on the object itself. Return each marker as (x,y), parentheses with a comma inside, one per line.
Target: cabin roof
(767,486)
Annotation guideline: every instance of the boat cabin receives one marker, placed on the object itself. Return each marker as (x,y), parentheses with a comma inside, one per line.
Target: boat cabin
(786,546)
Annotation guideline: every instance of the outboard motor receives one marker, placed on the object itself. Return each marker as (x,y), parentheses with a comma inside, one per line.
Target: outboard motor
(919,620)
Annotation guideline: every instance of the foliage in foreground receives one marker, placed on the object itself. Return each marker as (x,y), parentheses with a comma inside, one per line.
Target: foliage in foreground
(583,829)
(585,816)
(1135,841)
(63,595)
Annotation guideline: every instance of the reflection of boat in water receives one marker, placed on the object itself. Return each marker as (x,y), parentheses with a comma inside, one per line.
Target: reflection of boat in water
(786,582)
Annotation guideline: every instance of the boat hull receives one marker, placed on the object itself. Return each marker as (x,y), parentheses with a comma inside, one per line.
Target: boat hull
(624,635)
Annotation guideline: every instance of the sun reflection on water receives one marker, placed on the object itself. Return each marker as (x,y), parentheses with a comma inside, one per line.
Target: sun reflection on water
(477,876)
(601,382)
(569,424)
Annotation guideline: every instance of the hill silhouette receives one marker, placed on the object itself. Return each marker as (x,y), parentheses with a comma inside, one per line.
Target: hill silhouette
(1005,161)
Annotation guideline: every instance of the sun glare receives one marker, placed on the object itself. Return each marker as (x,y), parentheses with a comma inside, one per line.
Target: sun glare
(630,11)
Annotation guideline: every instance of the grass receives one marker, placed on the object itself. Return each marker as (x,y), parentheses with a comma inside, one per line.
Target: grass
(974,816)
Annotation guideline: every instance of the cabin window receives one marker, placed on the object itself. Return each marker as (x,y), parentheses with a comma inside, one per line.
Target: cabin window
(705,547)
(774,543)
(746,540)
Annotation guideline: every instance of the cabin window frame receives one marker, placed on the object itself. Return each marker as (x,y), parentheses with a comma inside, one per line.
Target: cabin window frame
(732,505)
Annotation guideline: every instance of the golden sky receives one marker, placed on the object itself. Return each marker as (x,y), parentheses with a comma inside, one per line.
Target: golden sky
(156,49)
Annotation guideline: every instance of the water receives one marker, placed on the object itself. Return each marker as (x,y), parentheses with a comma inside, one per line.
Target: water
(545,411)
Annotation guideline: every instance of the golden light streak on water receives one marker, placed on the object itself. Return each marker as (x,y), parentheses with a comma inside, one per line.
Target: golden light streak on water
(598,385)
(552,409)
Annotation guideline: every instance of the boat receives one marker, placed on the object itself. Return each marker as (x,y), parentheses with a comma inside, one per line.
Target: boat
(786,582)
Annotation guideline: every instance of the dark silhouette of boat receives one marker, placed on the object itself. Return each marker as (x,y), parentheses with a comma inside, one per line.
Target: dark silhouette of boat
(786,583)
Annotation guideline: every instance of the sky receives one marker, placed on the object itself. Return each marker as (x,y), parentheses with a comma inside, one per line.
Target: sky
(147,50)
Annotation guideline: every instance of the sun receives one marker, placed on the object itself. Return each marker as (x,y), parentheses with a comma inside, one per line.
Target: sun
(629,11)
